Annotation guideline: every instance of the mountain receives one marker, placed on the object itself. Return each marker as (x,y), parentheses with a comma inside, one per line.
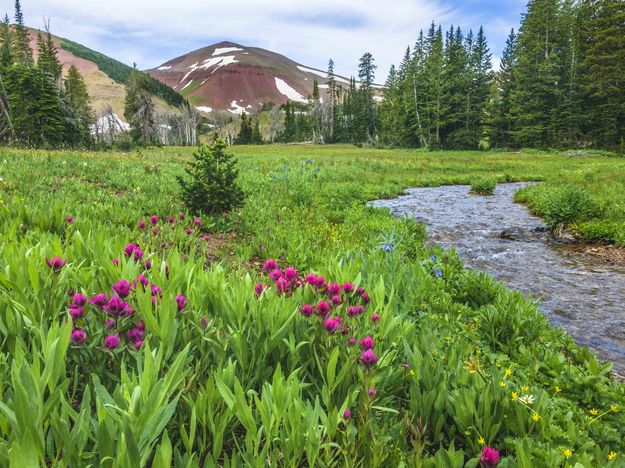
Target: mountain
(235,78)
(105,77)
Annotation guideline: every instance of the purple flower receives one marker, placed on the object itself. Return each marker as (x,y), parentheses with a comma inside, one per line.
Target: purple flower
(56,263)
(406,366)
(206,237)
(117,307)
(368,358)
(129,249)
(351,341)
(387,247)
(372,392)
(275,275)
(111,341)
(79,336)
(99,300)
(140,325)
(360,291)
(79,300)
(323,309)
(181,216)
(348,287)
(438,273)
(307,310)
(140,280)
(155,231)
(154,219)
(189,232)
(148,264)
(109,323)
(122,288)
(156,290)
(259,288)
(115,261)
(347,413)
(203,323)
(141,224)
(345,331)
(365,298)
(69,219)
(366,343)
(334,289)
(490,457)
(311,279)
(331,325)
(171,220)
(138,343)
(197,222)
(181,301)
(76,312)
(138,253)
(282,285)
(290,273)
(336,300)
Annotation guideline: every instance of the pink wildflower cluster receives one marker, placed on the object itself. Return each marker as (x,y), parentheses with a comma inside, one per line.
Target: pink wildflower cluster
(155,226)
(114,311)
(339,306)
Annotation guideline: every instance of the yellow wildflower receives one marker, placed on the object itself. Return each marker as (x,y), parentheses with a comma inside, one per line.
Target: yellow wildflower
(558,389)
(508,372)
(412,372)
(613,408)
(481,441)
(515,396)
(594,411)
(567,453)
(535,416)
(502,384)
(612,455)
(525,388)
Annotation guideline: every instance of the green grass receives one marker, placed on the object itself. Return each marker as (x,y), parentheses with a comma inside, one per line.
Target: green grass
(237,380)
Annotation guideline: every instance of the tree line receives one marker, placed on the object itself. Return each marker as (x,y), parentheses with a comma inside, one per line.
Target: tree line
(561,83)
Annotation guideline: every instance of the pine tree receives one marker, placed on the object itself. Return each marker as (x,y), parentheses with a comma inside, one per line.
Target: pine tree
(78,107)
(245,133)
(48,59)
(289,123)
(257,137)
(367,118)
(501,124)
(23,52)
(478,95)
(454,86)
(139,109)
(6,47)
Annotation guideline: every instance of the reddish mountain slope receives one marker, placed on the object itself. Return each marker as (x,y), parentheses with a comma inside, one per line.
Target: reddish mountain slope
(228,76)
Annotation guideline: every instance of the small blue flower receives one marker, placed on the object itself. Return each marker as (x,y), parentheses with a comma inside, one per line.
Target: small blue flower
(433,258)
(387,247)
(261,246)
(438,273)
(309,161)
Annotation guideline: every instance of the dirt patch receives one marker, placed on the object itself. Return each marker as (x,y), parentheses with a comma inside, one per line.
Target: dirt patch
(217,246)
(610,254)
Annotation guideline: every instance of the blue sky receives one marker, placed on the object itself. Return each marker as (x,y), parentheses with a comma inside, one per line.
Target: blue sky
(150,32)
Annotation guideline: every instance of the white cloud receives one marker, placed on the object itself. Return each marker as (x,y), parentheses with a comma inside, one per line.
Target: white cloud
(150,32)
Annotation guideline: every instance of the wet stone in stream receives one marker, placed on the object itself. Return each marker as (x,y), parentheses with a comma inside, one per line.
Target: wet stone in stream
(579,293)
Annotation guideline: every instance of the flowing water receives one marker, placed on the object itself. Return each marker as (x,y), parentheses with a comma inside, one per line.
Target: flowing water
(576,292)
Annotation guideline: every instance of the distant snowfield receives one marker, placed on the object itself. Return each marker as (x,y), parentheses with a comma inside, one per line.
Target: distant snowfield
(286,90)
(226,50)
(236,108)
(204,108)
(164,67)
(216,62)
(186,86)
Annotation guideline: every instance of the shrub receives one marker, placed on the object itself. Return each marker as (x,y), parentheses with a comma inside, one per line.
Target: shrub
(569,205)
(484,185)
(210,186)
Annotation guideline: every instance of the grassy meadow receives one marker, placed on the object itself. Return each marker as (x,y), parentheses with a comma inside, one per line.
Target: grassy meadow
(373,349)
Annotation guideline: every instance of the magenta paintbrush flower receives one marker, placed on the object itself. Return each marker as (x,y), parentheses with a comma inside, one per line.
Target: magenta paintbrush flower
(76,312)
(275,275)
(129,249)
(111,341)
(154,219)
(79,300)
(79,336)
(351,341)
(181,216)
(331,325)
(181,301)
(307,310)
(171,220)
(348,287)
(116,307)
(334,289)
(347,413)
(336,300)
(490,457)
(368,358)
(372,392)
(99,300)
(69,219)
(323,309)
(141,224)
(282,285)
(56,263)
(366,343)
(197,222)
(259,288)
(138,253)
(375,318)
(290,273)
(122,288)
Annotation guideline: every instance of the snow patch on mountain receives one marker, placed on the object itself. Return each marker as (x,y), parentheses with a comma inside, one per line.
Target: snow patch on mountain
(286,90)
(216,62)
(236,108)
(163,68)
(204,108)
(186,86)
(226,50)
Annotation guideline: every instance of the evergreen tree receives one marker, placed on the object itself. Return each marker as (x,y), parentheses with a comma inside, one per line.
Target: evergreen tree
(139,109)
(78,107)
(501,125)
(23,52)
(48,60)
(366,73)
(289,123)
(257,137)
(6,47)
(245,133)
(478,95)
